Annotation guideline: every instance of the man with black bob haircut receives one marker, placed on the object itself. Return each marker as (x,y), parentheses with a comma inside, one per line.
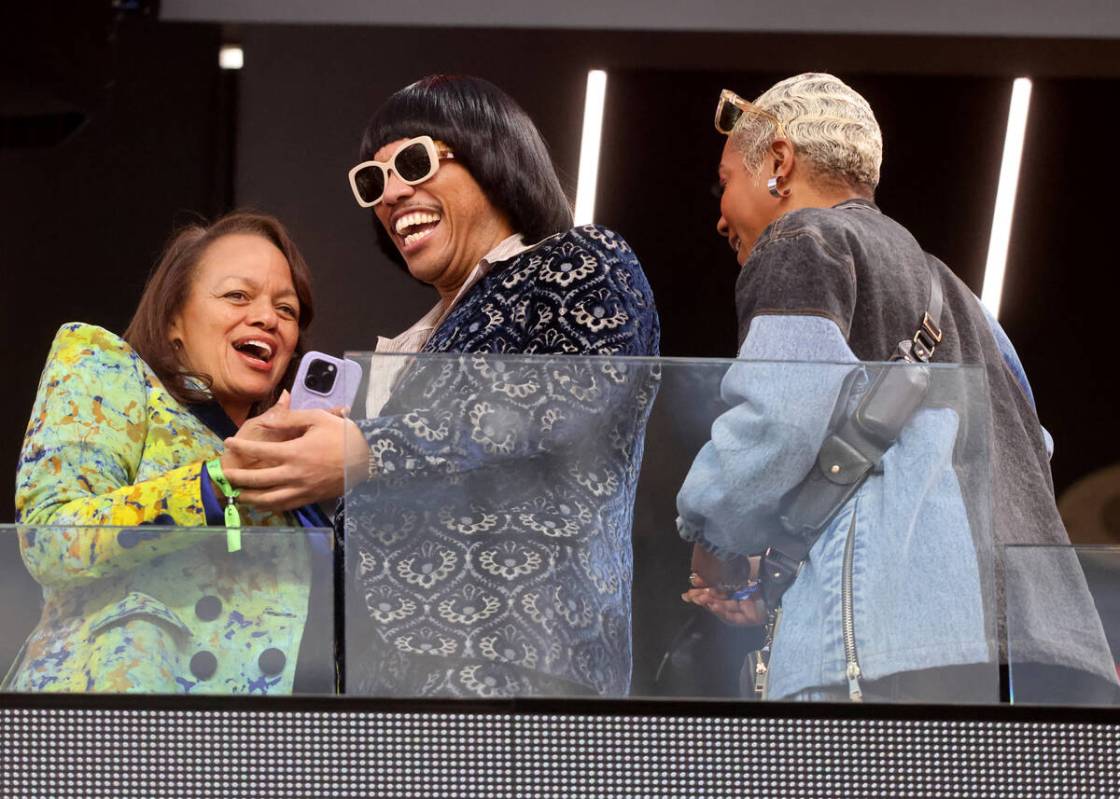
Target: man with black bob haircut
(490,500)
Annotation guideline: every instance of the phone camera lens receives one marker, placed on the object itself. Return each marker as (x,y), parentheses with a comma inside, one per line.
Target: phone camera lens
(320,376)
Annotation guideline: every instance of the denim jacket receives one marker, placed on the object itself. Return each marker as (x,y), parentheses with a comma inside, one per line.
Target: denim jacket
(909,574)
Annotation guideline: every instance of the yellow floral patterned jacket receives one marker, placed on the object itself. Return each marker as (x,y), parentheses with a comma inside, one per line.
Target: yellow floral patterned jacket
(129,606)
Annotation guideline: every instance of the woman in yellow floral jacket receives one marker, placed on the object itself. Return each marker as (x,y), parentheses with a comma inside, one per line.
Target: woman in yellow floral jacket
(120,436)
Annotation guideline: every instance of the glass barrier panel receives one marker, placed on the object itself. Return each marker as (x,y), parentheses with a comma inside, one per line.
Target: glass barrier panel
(524,526)
(167,610)
(1063,624)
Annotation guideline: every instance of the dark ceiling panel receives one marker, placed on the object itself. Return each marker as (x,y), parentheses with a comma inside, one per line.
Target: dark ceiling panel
(1023,18)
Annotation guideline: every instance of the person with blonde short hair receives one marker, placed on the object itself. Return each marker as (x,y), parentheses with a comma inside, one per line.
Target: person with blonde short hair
(829,124)
(888,601)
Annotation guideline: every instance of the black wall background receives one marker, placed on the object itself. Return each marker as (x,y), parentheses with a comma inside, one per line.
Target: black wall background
(170,135)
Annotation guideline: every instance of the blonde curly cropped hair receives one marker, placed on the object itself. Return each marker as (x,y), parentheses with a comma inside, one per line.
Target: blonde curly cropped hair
(827,122)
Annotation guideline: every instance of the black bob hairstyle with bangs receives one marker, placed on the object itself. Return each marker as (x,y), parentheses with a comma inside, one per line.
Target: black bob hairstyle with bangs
(491,136)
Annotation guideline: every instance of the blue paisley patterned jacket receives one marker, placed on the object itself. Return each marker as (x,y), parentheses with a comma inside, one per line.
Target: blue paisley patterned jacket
(490,553)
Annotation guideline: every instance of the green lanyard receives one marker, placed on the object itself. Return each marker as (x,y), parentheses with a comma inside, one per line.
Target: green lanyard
(233,518)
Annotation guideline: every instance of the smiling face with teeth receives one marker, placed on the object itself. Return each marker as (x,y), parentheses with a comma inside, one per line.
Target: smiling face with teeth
(240,322)
(442,227)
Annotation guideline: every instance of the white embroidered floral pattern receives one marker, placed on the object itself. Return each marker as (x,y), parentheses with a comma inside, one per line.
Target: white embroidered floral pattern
(511,646)
(501,497)
(423,428)
(469,606)
(432,565)
(386,607)
(469,524)
(427,641)
(509,560)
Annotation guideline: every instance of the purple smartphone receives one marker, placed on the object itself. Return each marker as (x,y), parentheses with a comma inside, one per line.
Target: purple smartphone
(324,381)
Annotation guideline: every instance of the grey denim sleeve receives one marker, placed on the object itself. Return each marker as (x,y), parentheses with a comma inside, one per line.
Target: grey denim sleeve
(797,272)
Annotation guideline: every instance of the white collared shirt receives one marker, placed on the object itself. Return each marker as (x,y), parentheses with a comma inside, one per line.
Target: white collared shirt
(384,371)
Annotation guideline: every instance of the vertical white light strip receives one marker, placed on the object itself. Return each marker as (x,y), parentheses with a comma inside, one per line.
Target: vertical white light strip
(1005,194)
(589,146)
(231,56)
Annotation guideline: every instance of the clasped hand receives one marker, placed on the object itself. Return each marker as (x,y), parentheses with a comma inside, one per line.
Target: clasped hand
(710,579)
(284,458)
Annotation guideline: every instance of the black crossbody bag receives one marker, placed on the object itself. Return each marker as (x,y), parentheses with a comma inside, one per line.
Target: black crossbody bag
(855,445)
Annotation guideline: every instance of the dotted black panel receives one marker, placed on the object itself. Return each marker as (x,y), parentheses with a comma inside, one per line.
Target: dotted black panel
(184,753)
(695,757)
(124,754)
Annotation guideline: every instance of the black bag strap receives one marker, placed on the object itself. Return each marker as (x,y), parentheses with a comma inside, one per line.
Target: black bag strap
(855,447)
(921,345)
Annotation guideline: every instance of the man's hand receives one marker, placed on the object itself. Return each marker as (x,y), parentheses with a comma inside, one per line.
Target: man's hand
(301,461)
(258,429)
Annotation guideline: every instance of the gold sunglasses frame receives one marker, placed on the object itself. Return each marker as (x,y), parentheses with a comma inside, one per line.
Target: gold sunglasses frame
(437,151)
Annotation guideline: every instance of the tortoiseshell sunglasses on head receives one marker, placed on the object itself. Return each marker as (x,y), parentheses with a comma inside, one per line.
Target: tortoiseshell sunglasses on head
(731,106)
